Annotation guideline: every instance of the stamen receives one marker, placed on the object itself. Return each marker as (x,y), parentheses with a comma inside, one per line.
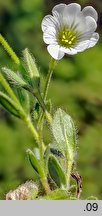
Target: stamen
(66,37)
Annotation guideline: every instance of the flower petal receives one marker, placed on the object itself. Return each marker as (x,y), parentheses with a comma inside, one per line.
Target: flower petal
(82,46)
(49,21)
(91,24)
(55,51)
(74,18)
(73,8)
(49,35)
(94,40)
(59,8)
(90,11)
(71,11)
(70,51)
(87,43)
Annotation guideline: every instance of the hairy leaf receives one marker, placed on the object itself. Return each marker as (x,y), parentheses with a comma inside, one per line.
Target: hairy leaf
(14,78)
(31,68)
(64,133)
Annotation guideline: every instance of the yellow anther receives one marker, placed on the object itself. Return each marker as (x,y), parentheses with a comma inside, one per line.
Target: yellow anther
(66,38)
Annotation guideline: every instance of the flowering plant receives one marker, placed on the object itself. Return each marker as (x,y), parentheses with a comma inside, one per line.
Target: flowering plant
(68,31)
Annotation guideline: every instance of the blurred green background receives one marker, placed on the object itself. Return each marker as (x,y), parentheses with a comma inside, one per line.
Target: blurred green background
(76,87)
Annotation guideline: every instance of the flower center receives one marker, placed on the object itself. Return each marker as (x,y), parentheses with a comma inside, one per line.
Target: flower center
(67,38)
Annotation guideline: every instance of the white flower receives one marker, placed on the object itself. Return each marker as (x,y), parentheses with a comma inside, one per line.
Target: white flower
(70,30)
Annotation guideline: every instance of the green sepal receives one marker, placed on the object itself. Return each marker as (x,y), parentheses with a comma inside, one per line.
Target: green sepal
(14,78)
(11,106)
(56,172)
(35,163)
(58,194)
(31,69)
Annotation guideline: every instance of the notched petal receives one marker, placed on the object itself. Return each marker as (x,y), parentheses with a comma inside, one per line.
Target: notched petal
(74,8)
(59,8)
(90,11)
(48,21)
(91,24)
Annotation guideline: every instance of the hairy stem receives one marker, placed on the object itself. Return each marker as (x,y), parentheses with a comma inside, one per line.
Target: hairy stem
(39,141)
(32,129)
(9,50)
(41,150)
(69,168)
(42,104)
(45,185)
(47,83)
(49,75)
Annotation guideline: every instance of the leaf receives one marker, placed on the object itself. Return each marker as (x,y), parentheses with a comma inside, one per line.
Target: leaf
(24,99)
(56,172)
(11,106)
(58,194)
(31,68)
(64,133)
(14,78)
(7,88)
(35,163)
(46,157)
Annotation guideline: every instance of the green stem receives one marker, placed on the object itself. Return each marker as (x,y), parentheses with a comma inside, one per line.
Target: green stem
(32,129)
(34,132)
(38,138)
(52,65)
(39,141)
(42,104)
(9,50)
(69,168)
(45,185)
(43,178)
(41,146)
(26,119)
